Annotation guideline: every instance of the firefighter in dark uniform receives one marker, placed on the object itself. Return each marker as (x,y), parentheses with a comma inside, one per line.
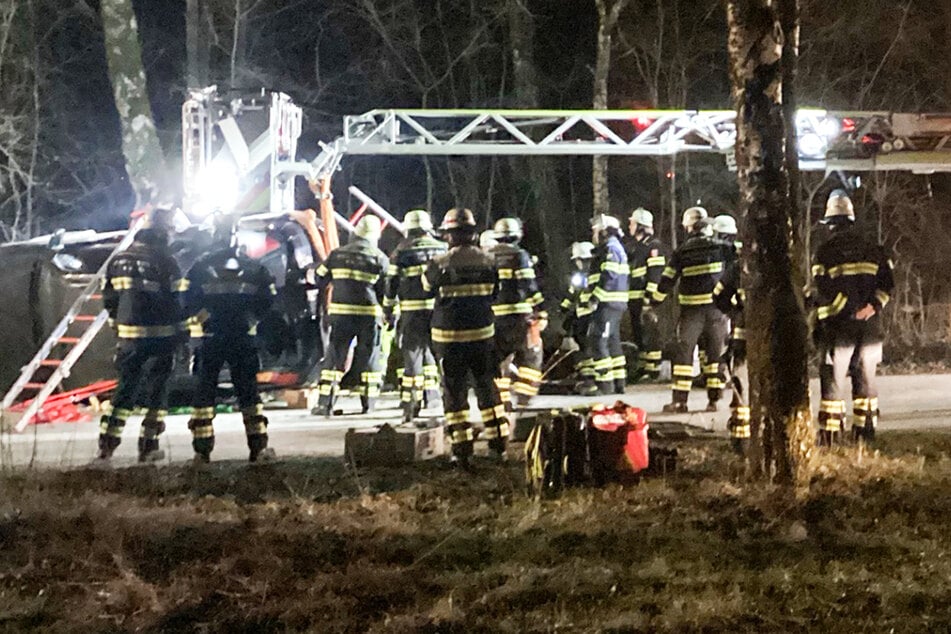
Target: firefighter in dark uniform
(853,279)
(406,298)
(698,263)
(729,297)
(465,282)
(228,294)
(517,315)
(609,286)
(142,292)
(358,274)
(576,306)
(647,257)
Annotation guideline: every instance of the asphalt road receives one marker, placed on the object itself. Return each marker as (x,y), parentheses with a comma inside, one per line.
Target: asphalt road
(907,402)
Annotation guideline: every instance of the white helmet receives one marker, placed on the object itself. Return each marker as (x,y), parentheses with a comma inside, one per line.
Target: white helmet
(839,205)
(418,219)
(643,217)
(582,251)
(604,221)
(725,223)
(487,239)
(369,228)
(692,216)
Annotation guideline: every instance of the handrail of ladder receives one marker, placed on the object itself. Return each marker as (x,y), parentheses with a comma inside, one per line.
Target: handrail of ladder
(59,331)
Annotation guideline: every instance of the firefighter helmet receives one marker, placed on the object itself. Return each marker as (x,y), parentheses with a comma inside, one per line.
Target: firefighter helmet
(725,223)
(487,239)
(369,228)
(692,216)
(604,221)
(839,205)
(642,217)
(418,219)
(458,218)
(582,251)
(508,228)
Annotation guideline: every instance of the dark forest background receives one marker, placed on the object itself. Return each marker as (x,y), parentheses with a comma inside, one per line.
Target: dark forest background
(61,162)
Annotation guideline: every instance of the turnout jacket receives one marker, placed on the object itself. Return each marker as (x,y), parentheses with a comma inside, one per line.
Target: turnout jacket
(609,282)
(698,263)
(404,278)
(357,272)
(647,258)
(465,283)
(142,292)
(849,271)
(518,287)
(229,293)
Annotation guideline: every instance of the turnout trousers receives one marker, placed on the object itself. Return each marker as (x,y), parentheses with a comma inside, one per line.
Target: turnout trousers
(461,363)
(420,382)
(842,356)
(647,337)
(243,363)
(143,366)
(707,324)
(607,354)
(344,329)
(514,348)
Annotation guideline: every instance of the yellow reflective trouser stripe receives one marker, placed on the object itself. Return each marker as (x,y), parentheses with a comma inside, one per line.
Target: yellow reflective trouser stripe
(355,309)
(441,335)
(409,305)
(702,269)
(353,274)
(833,309)
(512,309)
(126,331)
(696,300)
(466,290)
(854,268)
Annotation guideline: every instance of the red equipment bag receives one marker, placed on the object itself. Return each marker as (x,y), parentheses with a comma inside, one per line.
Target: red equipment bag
(618,442)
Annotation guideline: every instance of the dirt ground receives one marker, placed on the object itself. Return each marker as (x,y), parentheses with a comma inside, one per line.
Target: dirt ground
(310,546)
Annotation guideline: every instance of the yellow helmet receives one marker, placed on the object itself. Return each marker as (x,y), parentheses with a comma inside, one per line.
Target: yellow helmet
(369,228)
(458,218)
(418,219)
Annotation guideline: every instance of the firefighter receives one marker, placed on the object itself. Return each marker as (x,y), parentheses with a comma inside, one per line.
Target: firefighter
(518,315)
(357,272)
(577,309)
(142,292)
(228,293)
(852,281)
(698,263)
(730,298)
(406,298)
(465,283)
(647,257)
(609,287)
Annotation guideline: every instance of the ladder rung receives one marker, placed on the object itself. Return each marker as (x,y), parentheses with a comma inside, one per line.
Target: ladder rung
(69,340)
(84,318)
(34,386)
(51,363)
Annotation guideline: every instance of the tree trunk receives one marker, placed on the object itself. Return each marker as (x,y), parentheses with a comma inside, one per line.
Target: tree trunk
(608,14)
(778,349)
(140,145)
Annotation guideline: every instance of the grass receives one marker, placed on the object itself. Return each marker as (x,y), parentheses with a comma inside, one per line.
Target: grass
(303,545)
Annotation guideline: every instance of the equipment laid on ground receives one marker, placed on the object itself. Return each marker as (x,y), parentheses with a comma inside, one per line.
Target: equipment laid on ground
(391,446)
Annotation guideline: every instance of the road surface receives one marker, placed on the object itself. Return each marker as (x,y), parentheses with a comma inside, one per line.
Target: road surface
(907,402)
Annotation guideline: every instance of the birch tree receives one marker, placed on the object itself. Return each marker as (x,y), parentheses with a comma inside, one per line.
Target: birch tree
(143,155)
(762,49)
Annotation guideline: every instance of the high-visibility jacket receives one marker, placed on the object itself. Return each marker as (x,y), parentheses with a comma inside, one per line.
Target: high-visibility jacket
(229,293)
(609,281)
(577,299)
(849,271)
(143,293)
(404,278)
(698,263)
(465,283)
(647,259)
(518,287)
(357,271)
